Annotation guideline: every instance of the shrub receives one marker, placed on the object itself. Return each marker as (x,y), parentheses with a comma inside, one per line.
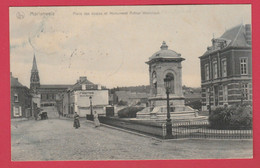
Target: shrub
(129,112)
(234,117)
(122,103)
(195,104)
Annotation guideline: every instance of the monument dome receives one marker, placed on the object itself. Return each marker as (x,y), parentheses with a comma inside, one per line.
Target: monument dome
(165,53)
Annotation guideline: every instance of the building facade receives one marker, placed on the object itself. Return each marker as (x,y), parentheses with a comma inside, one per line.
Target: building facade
(21,99)
(84,97)
(226,69)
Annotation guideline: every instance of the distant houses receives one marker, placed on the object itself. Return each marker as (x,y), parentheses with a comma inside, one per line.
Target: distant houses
(130,98)
(21,99)
(226,69)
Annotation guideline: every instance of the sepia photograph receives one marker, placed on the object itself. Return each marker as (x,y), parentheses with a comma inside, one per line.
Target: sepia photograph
(151,82)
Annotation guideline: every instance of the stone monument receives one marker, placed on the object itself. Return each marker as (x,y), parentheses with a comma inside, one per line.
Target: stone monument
(165,62)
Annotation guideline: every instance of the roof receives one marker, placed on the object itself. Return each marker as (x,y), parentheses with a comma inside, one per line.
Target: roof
(78,85)
(234,37)
(123,95)
(15,82)
(55,86)
(165,54)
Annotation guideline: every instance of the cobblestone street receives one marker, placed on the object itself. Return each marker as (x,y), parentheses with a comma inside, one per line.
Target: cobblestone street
(56,139)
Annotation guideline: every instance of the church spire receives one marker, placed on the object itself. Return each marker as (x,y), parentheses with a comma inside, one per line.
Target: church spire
(35,79)
(34,67)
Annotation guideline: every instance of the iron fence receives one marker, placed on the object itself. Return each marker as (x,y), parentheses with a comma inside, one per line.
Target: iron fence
(203,130)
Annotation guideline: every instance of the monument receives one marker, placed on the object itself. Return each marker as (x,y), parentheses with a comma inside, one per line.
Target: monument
(166,62)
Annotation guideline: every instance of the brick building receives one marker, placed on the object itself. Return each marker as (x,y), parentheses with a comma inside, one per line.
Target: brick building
(21,99)
(226,69)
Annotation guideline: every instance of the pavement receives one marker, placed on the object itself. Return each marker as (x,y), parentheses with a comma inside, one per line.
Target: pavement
(56,139)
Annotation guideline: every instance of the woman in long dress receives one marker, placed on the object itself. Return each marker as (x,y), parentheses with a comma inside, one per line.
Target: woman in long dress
(76,123)
(96,121)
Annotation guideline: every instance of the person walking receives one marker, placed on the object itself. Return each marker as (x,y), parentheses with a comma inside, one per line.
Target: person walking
(76,123)
(96,121)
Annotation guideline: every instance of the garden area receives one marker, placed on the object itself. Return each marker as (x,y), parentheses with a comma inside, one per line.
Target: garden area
(234,122)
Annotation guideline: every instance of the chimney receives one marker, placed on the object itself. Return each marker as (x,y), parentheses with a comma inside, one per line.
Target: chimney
(248,34)
(82,78)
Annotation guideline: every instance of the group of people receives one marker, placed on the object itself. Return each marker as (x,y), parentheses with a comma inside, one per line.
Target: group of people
(76,123)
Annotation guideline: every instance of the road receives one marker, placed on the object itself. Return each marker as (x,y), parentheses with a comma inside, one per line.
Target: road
(56,139)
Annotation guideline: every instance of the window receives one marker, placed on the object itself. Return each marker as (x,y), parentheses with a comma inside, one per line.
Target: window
(16,97)
(207,72)
(225,94)
(224,68)
(245,91)
(215,70)
(243,66)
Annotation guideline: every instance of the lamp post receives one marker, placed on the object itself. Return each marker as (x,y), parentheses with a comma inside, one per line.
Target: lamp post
(167,83)
(91,108)
(209,92)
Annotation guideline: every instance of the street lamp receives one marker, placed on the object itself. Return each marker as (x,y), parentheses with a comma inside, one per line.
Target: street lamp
(209,93)
(91,108)
(167,83)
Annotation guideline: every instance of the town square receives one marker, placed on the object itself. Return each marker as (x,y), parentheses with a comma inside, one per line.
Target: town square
(131,83)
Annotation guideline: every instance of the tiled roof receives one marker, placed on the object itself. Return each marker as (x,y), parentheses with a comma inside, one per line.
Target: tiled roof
(234,37)
(89,85)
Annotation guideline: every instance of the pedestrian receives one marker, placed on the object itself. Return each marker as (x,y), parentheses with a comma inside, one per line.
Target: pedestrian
(96,121)
(76,123)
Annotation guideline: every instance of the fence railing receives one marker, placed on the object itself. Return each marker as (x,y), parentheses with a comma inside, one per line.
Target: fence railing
(202,130)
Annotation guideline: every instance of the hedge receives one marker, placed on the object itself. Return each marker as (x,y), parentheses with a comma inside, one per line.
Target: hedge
(129,112)
(234,117)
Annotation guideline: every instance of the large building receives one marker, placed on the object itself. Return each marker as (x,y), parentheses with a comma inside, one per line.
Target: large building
(226,69)
(20,99)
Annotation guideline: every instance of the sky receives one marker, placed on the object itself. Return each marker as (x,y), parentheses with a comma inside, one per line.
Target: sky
(110,44)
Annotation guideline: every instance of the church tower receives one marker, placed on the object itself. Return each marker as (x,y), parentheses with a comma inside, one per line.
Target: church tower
(35,79)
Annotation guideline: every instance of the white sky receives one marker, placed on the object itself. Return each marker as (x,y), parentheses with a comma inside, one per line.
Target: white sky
(112,49)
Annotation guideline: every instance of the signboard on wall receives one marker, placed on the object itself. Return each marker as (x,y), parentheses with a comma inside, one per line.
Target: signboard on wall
(86,93)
